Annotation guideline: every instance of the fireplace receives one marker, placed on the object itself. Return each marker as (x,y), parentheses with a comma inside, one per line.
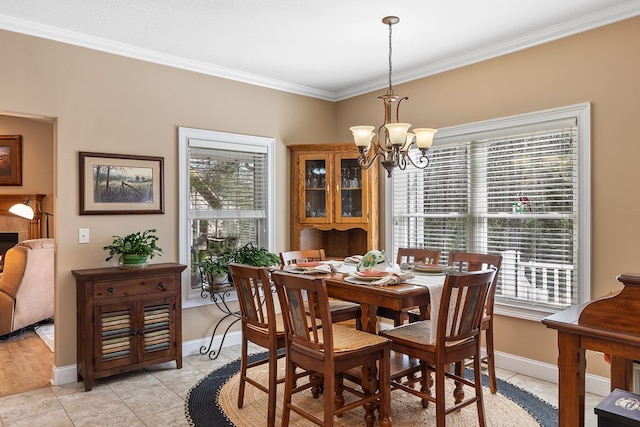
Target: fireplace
(7,241)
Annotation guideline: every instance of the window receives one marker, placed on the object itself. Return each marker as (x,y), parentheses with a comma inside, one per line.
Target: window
(226,197)
(517,186)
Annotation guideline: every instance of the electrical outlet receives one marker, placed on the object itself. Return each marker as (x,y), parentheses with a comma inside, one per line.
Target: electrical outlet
(83,235)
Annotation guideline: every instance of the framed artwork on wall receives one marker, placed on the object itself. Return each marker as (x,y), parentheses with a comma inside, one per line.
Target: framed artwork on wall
(10,159)
(119,184)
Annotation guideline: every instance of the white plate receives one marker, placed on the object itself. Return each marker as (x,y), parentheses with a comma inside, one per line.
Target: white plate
(356,281)
(357,276)
(429,269)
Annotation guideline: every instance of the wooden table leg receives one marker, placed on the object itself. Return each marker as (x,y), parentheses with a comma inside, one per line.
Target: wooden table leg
(621,373)
(369,324)
(571,388)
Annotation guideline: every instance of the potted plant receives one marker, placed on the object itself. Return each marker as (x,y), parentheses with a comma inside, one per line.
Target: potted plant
(133,250)
(214,270)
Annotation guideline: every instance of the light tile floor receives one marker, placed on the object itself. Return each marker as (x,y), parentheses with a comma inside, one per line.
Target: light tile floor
(155,397)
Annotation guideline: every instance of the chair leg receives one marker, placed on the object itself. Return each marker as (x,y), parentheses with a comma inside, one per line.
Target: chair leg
(243,373)
(288,389)
(273,383)
(477,374)
(329,400)
(426,383)
(317,384)
(339,398)
(440,396)
(491,362)
(458,392)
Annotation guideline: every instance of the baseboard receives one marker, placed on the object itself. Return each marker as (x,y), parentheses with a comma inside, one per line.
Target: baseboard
(548,372)
(533,368)
(64,374)
(68,374)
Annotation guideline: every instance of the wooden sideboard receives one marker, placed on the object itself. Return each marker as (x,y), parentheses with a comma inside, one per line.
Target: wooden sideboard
(334,203)
(128,318)
(26,229)
(608,325)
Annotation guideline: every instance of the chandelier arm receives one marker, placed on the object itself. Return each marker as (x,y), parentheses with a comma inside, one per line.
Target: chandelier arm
(382,141)
(421,164)
(364,162)
(404,98)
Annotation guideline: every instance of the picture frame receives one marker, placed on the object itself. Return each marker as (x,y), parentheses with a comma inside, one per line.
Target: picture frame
(10,160)
(121,184)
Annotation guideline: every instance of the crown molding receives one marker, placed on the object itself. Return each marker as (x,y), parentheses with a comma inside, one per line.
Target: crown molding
(569,28)
(588,22)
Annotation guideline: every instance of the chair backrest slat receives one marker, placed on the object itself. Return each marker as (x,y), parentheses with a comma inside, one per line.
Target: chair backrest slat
(305,327)
(408,255)
(468,261)
(255,295)
(306,255)
(462,305)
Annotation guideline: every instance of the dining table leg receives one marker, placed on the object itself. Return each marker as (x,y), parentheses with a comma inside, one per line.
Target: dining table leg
(369,380)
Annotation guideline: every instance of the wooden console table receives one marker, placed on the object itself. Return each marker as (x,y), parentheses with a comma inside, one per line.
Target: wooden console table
(607,324)
(128,318)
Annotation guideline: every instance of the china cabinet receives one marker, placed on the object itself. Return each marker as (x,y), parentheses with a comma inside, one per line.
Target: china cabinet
(334,203)
(128,318)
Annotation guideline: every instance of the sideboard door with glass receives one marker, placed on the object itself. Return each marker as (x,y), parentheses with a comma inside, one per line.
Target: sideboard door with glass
(315,183)
(352,199)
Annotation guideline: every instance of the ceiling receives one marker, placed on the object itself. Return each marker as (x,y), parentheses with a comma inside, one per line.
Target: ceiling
(329,49)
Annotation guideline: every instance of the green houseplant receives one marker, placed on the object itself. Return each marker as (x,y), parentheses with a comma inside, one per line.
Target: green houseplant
(214,270)
(133,250)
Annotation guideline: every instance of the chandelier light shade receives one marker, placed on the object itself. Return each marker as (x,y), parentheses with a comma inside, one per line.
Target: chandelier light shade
(392,142)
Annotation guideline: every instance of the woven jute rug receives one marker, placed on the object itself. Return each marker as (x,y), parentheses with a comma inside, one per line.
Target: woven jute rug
(213,402)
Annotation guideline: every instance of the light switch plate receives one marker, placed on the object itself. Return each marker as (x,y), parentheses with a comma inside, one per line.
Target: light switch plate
(83,235)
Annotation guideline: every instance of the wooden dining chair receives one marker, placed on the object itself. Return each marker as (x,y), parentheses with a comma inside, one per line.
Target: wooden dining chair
(467,261)
(454,338)
(316,344)
(409,255)
(340,310)
(260,325)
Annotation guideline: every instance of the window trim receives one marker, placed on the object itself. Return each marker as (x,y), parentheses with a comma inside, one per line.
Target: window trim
(230,141)
(582,114)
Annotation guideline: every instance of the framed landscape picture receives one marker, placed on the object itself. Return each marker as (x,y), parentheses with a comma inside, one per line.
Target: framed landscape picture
(10,159)
(112,184)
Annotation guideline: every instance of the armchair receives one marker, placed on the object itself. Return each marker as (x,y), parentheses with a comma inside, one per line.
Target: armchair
(26,285)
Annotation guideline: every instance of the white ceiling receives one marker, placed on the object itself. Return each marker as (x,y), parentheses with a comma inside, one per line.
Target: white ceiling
(329,49)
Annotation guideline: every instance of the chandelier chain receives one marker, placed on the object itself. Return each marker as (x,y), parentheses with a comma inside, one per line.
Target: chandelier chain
(390,91)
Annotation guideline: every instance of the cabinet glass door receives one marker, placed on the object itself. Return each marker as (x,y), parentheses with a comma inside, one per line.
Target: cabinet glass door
(350,204)
(315,194)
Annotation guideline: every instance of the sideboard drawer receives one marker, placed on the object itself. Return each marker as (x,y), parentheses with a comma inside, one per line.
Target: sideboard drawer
(134,286)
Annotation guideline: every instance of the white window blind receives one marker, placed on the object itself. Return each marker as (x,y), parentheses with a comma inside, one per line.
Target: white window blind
(226,193)
(512,190)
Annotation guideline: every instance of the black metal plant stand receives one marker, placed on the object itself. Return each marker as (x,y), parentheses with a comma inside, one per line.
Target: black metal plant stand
(219,294)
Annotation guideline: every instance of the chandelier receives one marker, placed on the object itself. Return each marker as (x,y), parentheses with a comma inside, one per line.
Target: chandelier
(393,140)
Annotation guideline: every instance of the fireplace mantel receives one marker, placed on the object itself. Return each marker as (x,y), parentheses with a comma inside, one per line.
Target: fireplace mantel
(26,229)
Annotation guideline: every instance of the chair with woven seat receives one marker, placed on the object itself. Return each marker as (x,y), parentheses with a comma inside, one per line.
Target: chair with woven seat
(467,261)
(448,338)
(260,325)
(340,310)
(408,256)
(316,344)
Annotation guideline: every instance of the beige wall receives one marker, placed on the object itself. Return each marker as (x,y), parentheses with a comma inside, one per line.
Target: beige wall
(600,66)
(106,103)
